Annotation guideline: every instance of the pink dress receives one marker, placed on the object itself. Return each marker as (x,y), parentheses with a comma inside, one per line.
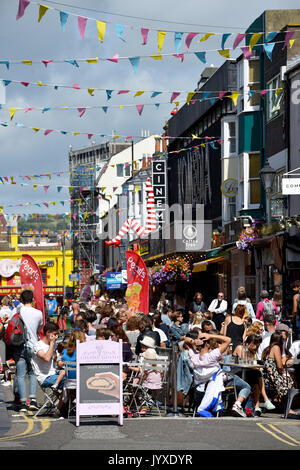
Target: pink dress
(152,380)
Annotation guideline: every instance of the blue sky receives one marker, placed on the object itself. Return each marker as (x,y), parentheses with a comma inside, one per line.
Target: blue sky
(24,152)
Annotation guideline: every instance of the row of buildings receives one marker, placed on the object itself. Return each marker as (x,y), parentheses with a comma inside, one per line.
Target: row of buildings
(244,118)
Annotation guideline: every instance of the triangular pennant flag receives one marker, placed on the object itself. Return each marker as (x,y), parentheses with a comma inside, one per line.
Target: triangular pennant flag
(25,83)
(201,56)
(254,39)
(246,51)
(271,36)
(46,188)
(45,109)
(189,39)
(160,39)
(206,37)
(144,32)
(134,62)
(72,61)
(108,94)
(250,94)
(177,40)
(174,95)
(119,31)
(122,92)
(140,108)
(81,111)
(82,20)
(278,91)
(222,94)
(179,56)
(238,40)
(263,93)
(115,58)
(42,11)
(234,96)
(190,96)
(269,49)
(23,4)
(12,112)
(101,27)
(94,60)
(59,188)
(224,53)
(91,91)
(225,36)
(6,82)
(47,131)
(157,105)
(63,19)
(138,93)
(155,93)
(46,62)
(288,37)
(35,129)
(5,62)
(104,108)
(90,136)
(156,57)
(27,62)
(76,86)
(205,95)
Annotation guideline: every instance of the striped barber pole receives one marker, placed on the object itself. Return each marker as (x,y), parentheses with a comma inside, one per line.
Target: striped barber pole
(133,225)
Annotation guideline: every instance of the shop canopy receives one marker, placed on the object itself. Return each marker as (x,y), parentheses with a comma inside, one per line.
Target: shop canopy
(202,265)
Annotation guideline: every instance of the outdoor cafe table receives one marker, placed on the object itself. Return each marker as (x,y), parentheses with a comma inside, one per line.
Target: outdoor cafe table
(241,366)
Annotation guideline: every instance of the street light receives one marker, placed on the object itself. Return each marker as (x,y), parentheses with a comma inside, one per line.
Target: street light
(267,174)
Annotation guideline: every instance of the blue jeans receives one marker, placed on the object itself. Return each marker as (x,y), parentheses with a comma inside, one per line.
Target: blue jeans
(243,388)
(22,358)
(51,379)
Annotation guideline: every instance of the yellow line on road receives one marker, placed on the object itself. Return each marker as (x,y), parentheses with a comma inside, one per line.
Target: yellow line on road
(284,434)
(45,424)
(278,437)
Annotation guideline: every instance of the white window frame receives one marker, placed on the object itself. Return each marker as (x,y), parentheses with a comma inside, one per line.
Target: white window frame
(244,183)
(274,109)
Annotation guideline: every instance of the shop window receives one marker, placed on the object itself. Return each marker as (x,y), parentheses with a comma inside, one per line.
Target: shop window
(274,98)
(254,179)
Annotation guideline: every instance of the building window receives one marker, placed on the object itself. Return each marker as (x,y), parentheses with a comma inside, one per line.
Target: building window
(274,98)
(120,169)
(44,276)
(127,170)
(254,178)
(230,138)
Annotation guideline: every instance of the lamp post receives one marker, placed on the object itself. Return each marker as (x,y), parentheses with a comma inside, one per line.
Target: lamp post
(267,174)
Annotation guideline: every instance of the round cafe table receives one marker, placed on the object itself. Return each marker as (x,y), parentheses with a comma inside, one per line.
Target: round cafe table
(241,366)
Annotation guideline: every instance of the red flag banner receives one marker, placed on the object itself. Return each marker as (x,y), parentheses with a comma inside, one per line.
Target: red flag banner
(31,278)
(137,293)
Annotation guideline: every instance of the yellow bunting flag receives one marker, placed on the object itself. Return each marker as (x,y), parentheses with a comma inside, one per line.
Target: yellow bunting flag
(34,186)
(12,112)
(42,11)
(76,133)
(92,61)
(176,103)
(195,136)
(291,42)
(190,96)
(156,57)
(278,91)
(41,84)
(27,62)
(35,129)
(139,93)
(101,27)
(254,39)
(224,53)
(160,39)
(91,91)
(121,106)
(234,96)
(206,37)
(116,137)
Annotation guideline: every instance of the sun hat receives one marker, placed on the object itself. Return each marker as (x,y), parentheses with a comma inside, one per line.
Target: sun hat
(150,353)
(149,342)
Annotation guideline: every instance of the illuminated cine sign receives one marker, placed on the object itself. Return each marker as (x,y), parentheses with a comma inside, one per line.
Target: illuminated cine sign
(159,183)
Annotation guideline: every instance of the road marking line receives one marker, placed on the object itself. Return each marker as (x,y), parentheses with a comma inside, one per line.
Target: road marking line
(274,435)
(284,434)
(45,425)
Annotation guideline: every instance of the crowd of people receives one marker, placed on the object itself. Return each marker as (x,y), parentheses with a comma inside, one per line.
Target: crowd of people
(210,341)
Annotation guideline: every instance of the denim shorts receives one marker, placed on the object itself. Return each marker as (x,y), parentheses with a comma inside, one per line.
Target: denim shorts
(51,379)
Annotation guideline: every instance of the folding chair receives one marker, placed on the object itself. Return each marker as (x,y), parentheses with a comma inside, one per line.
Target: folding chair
(69,386)
(50,401)
(142,396)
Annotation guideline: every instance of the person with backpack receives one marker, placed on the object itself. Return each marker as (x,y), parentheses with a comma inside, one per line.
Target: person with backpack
(265,306)
(242,299)
(22,334)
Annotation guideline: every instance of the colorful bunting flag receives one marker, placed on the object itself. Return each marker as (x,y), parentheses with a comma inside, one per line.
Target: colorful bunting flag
(238,40)
(254,39)
(189,39)
(101,27)
(119,30)
(288,37)
(63,19)
(160,39)
(140,108)
(201,56)
(144,32)
(42,11)
(224,53)
(82,20)
(268,48)
(177,40)
(206,37)
(225,36)
(134,62)
(23,4)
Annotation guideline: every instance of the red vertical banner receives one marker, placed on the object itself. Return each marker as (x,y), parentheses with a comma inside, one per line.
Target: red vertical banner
(137,293)
(31,278)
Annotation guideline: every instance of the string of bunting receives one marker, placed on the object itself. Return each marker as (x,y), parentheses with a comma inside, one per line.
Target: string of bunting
(82,22)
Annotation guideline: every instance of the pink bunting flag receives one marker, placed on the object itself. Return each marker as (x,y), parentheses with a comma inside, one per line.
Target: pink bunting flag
(174,95)
(76,86)
(46,204)
(46,62)
(81,25)
(25,83)
(221,94)
(128,138)
(263,93)
(47,131)
(189,39)
(140,108)
(46,188)
(179,56)
(144,32)
(246,51)
(115,58)
(121,92)
(23,4)
(288,37)
(238,39)
(90,136)
(81,111)
(28,109)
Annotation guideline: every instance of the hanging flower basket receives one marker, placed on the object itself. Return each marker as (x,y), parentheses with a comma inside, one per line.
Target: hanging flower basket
(177,269)
(246,238)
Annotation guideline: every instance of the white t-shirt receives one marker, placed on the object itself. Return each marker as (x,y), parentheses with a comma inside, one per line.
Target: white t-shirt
(163,336)
(294,351)
(42,369)
(33,320)
(205,365)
